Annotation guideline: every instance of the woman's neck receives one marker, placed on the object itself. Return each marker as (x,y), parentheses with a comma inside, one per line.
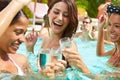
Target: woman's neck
(3,55)
(54,36)
(53,39)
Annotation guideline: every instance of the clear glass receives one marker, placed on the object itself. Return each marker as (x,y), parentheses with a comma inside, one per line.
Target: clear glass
(56,53)
(65,43)
(44,57)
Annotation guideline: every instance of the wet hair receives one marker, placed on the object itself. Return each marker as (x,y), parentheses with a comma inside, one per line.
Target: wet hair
(4,3)
(73,17)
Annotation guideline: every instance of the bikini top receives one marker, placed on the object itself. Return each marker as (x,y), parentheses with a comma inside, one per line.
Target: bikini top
(20,71)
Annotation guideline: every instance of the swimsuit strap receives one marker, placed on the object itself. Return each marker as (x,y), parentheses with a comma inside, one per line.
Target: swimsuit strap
(20,72)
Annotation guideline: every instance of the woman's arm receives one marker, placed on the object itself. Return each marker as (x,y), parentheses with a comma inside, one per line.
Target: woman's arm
(100,44)
(7,14)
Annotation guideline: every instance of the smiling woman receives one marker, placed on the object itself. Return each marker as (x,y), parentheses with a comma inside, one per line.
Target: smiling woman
(63,22)
(12,37)
(114,30)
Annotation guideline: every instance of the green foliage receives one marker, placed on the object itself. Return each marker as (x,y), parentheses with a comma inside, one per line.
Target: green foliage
(28,12)
(81,3)
(89,5)
(92,7)
(116,2)
(45,1)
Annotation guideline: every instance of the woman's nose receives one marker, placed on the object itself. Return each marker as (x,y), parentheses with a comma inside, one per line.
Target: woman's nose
(60,17)
(111,28)
(22,38)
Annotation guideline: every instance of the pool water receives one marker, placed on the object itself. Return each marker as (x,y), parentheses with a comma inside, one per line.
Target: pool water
(87,49)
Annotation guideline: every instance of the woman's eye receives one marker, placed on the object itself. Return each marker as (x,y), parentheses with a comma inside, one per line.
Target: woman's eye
(56,12)
(65,15)
(109,24)
(18,32)
(118,26)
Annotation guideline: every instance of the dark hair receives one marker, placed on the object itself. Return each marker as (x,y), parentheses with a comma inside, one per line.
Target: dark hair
(88,18)
(73,17)
(4,3)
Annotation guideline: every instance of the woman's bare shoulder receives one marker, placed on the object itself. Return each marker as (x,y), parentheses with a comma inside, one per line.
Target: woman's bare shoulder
(20,58)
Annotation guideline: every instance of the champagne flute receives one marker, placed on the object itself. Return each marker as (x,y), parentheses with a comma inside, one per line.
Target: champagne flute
(65,43)
(44,57)
(56,53)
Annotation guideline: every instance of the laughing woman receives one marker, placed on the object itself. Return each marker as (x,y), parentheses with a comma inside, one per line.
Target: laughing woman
(16,23)
(114,30)
(9,12)
(13,24)
(63,22)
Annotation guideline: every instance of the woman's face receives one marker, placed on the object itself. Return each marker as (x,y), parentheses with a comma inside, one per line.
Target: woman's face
(14,36)
(114,27)
(59,17)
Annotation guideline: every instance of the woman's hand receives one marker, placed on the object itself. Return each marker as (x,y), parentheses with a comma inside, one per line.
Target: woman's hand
(74,59)
(60,65)
(48,71)
(52,68)
(102,21)
(31,39)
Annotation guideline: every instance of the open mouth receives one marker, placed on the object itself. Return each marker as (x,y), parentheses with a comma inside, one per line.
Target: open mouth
(15,47)
(113,36)
(58,24)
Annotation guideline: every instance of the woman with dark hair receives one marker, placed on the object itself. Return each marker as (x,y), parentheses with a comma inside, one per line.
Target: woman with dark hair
(16,27)
(63,22)
(114,31)
(9,12)
(13,24)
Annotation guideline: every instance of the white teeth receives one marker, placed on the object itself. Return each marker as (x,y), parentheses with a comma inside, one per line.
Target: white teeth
(112,35)
(17,45)
(58,23)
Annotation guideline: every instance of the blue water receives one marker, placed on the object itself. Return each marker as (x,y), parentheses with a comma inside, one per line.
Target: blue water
(87,49)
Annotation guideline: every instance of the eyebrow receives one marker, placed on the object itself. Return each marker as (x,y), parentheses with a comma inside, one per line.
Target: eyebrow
(117,23)
(60,10)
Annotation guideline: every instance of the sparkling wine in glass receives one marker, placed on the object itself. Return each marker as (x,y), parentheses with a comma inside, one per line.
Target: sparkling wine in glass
(44,57)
